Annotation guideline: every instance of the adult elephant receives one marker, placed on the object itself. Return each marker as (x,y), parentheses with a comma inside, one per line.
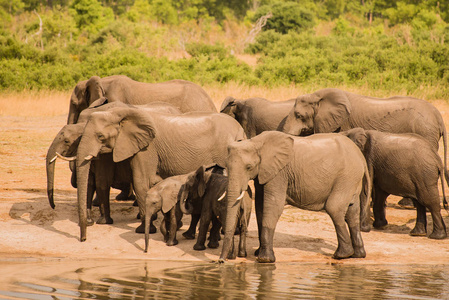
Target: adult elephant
(158,146)
(332,110)
(257,115)
(104,172)
(324,171)
(185,95)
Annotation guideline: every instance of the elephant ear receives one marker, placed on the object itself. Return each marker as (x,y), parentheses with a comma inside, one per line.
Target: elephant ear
(99,102)
(169,197)
(333,110)
(135,133)
(358,136)
(276,151)
(94,90)
(227,103)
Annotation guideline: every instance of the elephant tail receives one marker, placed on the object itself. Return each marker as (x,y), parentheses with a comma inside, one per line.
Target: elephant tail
(365,198)
(446,174)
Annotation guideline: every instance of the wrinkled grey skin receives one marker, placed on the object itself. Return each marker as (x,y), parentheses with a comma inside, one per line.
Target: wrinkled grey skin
(184,95)
(205,188)
(257,115)
(163,196)
(323,171)
(385,154)
(104,173)
(158,146)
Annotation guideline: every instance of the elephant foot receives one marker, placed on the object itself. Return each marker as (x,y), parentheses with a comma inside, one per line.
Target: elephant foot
(141,229)
(406,203)
(438,235)
(96,202)
(242,253)
(90,222)
(135,203)
(343,252)
(365,228)
(172,243)
(213,244)
(199,247)
(359,252)
(419,230)
(189,235)
(104,220)
(232,255)
(266,256)
(380,224)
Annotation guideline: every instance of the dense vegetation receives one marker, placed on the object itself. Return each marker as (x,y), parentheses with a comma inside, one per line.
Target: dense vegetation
(378,44)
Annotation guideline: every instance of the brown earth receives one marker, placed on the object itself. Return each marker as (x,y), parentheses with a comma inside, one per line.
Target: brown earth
(30,228)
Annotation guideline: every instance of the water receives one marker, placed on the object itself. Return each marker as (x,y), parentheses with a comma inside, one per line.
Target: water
(180,280)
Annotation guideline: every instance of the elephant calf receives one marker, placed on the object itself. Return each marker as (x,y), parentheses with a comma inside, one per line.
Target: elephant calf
(404,165)
(163,196)
(206,188)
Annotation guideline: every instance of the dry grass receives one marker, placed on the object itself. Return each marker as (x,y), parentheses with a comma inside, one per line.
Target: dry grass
(33,104)
(55,103)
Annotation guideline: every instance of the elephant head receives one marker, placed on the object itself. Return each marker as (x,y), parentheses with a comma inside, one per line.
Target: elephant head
(239,111)
(323,111)
(64,146)
(124,131)
(192,192)
(83,95)
(261,157)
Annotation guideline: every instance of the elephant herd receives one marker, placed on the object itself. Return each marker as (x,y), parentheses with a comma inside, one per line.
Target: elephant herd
(330,150)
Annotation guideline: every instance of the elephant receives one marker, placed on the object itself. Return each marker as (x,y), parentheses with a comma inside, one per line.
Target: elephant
(206,188)
(322,171)
(184,95)
(104,172)
(163,196)
(333,110)
(385,154)
(157,145)
(257,115)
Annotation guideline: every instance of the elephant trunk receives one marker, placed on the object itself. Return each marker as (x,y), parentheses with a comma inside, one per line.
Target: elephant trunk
(50,168)
(184,204)
(232,211)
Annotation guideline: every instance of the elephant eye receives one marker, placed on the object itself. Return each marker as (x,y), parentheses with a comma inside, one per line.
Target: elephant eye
(66,141)
(101,137)
(298,115)
(249,167)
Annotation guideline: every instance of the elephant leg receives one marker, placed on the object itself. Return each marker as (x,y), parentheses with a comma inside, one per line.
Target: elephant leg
(259,196)
(143,166)
(432,202)
(275,192)
(163,229)
(172,227)
(126,193)
(90,195)
(406,203)
(379,205)
(421,220)
(337,210)
(242,240)
(214,235)
(353,220)
(104,177)
(190,233)
(205,220)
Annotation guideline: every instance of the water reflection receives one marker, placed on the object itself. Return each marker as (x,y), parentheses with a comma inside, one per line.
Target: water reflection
(174,280)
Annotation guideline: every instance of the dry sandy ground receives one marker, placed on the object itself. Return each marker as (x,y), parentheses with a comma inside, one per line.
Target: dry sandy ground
(30,228)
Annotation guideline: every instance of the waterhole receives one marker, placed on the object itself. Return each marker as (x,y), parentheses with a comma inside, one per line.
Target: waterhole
(93,279)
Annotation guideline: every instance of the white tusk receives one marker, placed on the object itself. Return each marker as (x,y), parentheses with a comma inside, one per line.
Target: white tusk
(241,196)
(53,159)
(65,158)
(222,196)
(89,157)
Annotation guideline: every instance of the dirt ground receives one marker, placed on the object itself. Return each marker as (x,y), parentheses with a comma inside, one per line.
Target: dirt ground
(30,228)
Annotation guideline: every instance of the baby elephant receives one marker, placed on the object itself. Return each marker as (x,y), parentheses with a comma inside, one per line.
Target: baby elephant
(404,165)
(163,196)
(207,188)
